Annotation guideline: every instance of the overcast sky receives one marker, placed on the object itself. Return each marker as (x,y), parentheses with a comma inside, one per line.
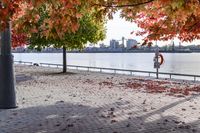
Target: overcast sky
(118,28)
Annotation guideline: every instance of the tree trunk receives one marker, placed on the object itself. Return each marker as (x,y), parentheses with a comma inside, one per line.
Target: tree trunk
(7,80)
(64,60)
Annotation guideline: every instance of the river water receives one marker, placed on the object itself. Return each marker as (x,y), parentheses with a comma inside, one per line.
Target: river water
(187,63)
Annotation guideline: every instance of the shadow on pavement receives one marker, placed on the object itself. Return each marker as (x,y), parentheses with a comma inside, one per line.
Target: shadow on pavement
(22,78)
(76,118)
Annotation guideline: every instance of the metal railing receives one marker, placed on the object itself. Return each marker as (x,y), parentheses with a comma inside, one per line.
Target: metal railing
(24,62)
(114,70)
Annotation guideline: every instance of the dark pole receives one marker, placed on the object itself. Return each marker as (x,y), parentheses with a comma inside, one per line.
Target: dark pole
(157,63)
(64,60)
(157,73)
(7,80)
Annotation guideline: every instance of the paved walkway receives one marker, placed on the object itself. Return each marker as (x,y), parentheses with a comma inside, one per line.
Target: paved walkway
(81,102)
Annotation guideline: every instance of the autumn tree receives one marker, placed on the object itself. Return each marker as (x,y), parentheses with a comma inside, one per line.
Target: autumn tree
(167,19)
(24,15)
(159,19)
(90,31)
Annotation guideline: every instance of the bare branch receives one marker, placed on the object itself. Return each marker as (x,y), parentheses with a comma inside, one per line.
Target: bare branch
(121,6)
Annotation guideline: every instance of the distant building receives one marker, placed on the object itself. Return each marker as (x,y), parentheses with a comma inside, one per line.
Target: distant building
(19,49)
(123,43)
(173,46)
(131,43)
(102,45)
(114,44)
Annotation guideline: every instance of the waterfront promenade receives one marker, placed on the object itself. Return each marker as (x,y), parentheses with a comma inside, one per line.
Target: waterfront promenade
(86,102)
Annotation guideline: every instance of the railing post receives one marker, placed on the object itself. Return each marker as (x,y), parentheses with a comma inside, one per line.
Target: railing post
(149,74)
(88,69)
(170,76)
(194,78)
(100,70)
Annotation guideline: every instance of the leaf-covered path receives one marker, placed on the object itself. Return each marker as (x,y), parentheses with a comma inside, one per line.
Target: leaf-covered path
(82,102)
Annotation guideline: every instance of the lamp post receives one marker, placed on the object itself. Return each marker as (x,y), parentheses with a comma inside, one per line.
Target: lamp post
(7,80)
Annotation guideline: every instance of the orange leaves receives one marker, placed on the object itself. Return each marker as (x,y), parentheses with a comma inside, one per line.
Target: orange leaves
(8,11)
(75,27)
(144,43)
(63,15)
(78,15)
(166,19)
(69,5)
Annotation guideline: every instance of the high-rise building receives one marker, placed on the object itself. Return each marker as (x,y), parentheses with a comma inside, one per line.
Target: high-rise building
(130,43)
(114,44)
(123,44)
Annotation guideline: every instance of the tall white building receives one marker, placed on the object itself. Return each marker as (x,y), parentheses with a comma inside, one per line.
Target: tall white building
(130,43)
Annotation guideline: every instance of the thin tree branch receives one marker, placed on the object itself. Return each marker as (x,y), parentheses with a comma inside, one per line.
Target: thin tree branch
(127,5)
(156,33)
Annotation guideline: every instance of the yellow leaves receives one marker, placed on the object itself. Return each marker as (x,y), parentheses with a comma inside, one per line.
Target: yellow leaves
(175,4)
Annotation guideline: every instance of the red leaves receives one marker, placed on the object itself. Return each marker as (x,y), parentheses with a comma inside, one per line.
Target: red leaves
(175,90)
(195,89)
(186,92)
(131,85)
(153,87)
(19,39)
(166,19)
(63,15)
(150,86)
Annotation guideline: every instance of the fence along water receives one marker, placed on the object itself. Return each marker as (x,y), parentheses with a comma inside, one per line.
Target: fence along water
(120,71)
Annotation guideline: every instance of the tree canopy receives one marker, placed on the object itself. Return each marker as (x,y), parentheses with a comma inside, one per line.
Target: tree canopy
(166,19)
(159,19)
(90,30)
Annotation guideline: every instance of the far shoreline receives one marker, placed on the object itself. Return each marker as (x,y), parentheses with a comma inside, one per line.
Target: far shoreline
(119,52)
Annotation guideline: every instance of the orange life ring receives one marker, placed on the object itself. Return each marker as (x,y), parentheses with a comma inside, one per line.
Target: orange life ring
(161,61)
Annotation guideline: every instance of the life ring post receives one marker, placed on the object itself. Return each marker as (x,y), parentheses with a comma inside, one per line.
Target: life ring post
(156,62)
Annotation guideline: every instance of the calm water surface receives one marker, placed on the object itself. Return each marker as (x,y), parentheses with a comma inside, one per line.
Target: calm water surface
(188,63)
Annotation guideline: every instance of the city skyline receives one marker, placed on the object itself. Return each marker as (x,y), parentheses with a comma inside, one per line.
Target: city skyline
(118,28)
